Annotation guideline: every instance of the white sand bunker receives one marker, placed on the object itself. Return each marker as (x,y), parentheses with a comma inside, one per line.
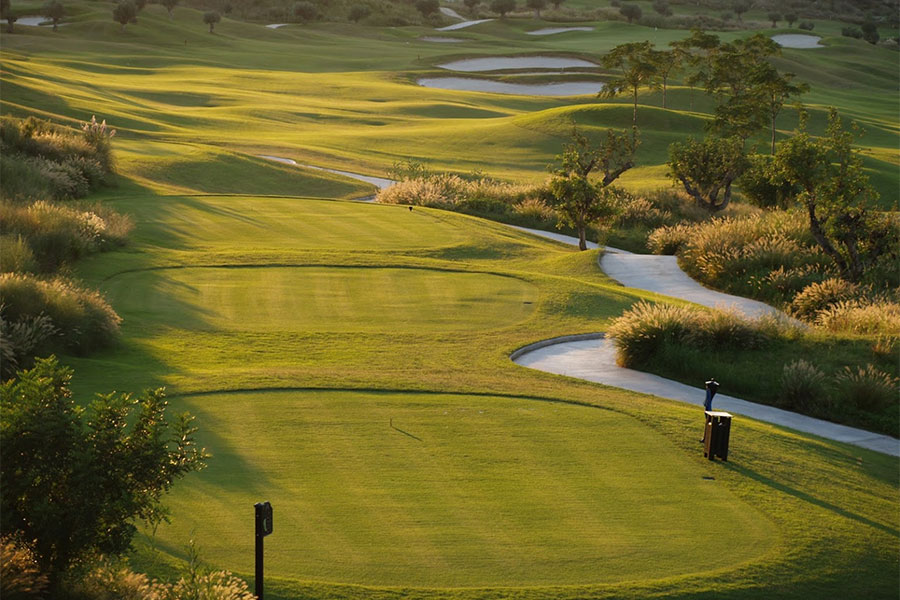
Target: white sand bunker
(440,40)
(276,25)
(462,25)
(797,40)
(499,63)
(554,30)
(571,88)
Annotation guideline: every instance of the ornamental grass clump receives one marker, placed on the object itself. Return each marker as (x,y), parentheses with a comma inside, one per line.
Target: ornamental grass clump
(646,329)
(821,295)
(867,389)
(84,319)
(879,317)
(804,388)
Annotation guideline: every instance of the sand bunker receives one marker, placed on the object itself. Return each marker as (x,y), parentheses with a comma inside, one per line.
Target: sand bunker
(554,30)
(462,25)
(451,13)
(797,40)
(33,21)
(499,63)
(571,88)
(276,25)
(441,40)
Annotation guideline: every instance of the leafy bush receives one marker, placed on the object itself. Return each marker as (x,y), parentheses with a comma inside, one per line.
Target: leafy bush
(85,320)
(867,389)
(17,255)
(853,32)
(803,388)
(758,186)
(669,240)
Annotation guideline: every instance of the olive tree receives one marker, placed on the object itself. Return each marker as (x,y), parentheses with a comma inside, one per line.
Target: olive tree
(537,6)
(580,187)
(74,480)
(54,10)
(359,11)
(707,169)
(305,11)
(834,190)
(631,12)
(634,61)
(427,7)
(211,18)
(7,13)
(169,5)
(471,4)
(501,7)
(124,13)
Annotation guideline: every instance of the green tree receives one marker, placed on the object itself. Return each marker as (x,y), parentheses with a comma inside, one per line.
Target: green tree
(54,10)
(664,62)
(740,7)
(870,32)
(140,4)
(6,12)
(124,13)
(427,7)
(305,11)
(707,169)
(694,53)
(631,12)
(501,7)
(634,61)
(579,199)
(791,18)
(536,6)
(835,191)
(211,18)
(471,4)
(773,89)
(556,3)
(729,78)
(169,5)
(358,12)
(74,480)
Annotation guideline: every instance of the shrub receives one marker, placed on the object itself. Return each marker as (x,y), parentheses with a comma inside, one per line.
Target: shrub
(85,320)
(821,295)
(534,208)
(20,574)
(803,388)
(852,32)
(758,186)
(807,25)
(867,389)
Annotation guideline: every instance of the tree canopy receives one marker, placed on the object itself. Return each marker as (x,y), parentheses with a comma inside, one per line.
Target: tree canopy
(634,60)
(707,169)
(75,479)
(579,199)
(124,13)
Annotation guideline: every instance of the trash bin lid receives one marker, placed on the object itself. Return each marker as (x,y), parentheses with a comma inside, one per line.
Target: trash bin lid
(718,413)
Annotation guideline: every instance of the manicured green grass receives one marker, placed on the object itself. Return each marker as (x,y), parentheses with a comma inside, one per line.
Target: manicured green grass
(434,490)
(298,328)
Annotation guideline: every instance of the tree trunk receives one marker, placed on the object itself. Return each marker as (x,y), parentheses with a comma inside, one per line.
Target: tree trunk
(664,93)
(123,27)
(816,229)
(582,239)
(211,27)
(634,114)
(773,133)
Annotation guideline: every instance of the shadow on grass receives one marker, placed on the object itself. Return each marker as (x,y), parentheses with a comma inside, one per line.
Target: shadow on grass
(786,489)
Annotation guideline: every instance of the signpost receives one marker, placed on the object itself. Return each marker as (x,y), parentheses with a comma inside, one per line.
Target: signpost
(263,528)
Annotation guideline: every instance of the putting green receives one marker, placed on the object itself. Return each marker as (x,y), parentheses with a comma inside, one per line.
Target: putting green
(451,490)
(259,223)
(321,299)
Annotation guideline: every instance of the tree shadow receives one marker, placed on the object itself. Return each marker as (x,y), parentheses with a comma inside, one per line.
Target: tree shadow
(786,489)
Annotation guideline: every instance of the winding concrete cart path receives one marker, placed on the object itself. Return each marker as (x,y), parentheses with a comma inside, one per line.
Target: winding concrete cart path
(593,358)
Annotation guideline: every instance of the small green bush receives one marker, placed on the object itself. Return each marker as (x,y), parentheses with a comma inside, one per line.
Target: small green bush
(85,320)
(804,388)
(867,389)
(21,341)
(15,255)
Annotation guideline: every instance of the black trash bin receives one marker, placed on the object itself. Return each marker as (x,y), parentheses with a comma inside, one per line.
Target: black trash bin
(718,430)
